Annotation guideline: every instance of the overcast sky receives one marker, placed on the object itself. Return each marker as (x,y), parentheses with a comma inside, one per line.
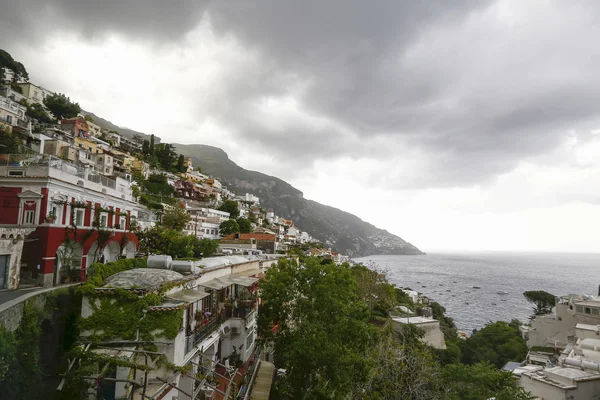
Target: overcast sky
(455,125)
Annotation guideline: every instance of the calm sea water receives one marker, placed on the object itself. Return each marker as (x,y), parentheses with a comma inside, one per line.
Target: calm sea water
(449,279)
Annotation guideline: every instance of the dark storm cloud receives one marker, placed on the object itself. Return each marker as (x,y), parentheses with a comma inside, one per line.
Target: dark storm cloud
(359,58)
(32,20)
(377,76)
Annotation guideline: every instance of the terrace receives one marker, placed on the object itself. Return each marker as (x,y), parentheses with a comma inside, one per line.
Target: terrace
(39,165)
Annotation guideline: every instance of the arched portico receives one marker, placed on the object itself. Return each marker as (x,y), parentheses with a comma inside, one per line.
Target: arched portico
(68,258)
(111,251)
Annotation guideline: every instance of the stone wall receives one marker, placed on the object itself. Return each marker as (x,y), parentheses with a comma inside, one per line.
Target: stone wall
(11,244)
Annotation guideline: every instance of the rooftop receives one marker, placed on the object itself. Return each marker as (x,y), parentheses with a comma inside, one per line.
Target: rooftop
(414,320)
(142,278)
(572,373)
(590,302)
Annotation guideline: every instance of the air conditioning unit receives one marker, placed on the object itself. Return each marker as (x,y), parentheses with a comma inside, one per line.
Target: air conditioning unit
(235,331)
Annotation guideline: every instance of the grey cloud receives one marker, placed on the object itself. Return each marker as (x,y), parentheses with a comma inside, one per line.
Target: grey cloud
(408,73)
(30,21)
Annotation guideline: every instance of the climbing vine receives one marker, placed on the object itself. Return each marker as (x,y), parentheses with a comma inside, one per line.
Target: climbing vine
(123,318)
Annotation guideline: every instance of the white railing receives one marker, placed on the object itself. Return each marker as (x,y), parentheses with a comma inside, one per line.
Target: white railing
(41,160)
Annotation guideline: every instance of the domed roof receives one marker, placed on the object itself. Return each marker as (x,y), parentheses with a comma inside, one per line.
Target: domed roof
(141,278)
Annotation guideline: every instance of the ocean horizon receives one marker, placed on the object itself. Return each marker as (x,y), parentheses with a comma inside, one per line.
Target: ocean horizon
(478,287)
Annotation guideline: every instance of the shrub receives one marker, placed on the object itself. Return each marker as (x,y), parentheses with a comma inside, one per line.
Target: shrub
(98,272)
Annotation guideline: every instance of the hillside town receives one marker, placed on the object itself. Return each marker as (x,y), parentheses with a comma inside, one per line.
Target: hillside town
(72,173)
(76,197)
(168,263)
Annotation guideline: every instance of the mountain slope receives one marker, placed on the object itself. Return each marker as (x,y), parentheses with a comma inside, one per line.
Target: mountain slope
(343,231)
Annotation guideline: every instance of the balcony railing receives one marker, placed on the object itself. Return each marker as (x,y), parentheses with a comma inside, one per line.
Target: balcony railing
(243,311)
(42,160)
(202,333)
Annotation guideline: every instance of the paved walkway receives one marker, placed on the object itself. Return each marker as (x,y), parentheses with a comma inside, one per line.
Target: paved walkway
(9,298)
(263,382)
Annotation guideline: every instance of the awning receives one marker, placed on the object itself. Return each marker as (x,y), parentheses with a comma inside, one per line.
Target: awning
(189,295)
(251,272)
(224,281)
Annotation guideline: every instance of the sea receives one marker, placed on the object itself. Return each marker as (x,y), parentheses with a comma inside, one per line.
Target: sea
(478,288)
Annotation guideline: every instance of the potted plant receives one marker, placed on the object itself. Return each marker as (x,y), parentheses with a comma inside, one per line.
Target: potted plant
(117,226)
(50,218)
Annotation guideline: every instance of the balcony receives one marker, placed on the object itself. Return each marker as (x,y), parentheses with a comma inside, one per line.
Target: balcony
(244,310)
(202,332)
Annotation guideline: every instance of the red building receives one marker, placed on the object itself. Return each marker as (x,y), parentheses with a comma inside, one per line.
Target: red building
(78,126)
(75,216)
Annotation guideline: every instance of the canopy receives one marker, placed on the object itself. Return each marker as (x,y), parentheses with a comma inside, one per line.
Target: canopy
(189,295)
(224,281)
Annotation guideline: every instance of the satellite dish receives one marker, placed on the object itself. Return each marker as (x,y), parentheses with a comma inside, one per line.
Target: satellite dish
(226,330)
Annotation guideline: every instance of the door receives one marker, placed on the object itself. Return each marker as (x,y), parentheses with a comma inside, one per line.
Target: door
(4,271)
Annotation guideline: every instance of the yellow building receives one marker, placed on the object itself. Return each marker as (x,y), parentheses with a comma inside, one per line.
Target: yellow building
(87,145)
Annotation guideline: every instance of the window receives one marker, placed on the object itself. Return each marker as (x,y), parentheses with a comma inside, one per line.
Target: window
(28,217)
(579,309)
(588,310)
(79,217)
(595,311)
(249,341)
(9,119)
(16,173)
(103,220)
(122,222)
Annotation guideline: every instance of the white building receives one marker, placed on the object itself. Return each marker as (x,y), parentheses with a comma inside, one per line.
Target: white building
(12,113)
(34,93)
(433,336)
(115,137)
(250,198)
(577,375)
(558,329)
(217,329)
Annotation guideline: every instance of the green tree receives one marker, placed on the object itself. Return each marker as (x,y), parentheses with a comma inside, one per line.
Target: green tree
(374,290)
(160,240)
(146,148)
(323,335)
(89,118)
(37,112)
(228,227)
(496,343)
(9,142)
(61,106)
(180,161)
(158,184)
(230,206)
(245,225)
(151,148)
(481,381)
(543,301)
(175,218)
(205,247)
(402,371)
(166,156)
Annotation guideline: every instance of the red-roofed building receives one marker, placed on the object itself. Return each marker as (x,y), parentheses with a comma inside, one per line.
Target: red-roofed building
(286,222)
